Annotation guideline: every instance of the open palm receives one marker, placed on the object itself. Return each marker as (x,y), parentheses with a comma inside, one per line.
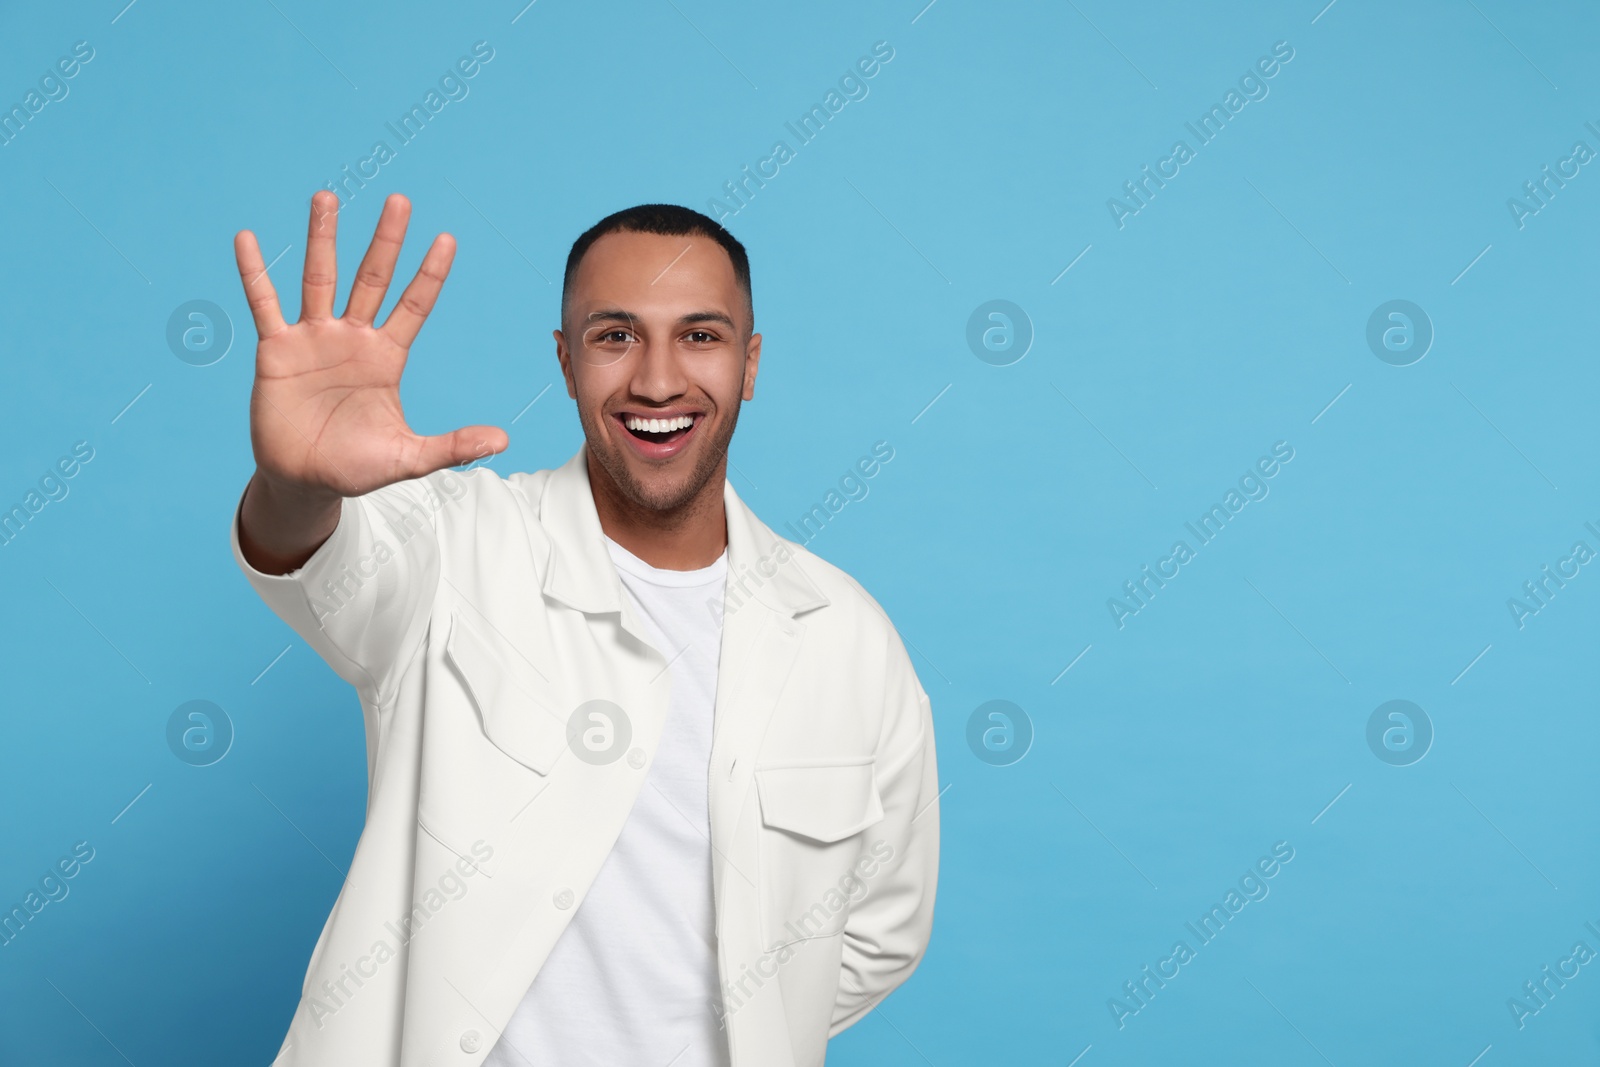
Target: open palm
(325,411)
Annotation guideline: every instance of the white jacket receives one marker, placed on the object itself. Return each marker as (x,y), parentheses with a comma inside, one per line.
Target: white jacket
(473,614)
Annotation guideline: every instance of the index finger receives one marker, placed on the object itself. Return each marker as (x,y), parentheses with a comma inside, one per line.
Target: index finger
(258,290)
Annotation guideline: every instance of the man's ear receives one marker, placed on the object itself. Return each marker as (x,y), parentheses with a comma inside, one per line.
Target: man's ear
(564,357)
(752,362)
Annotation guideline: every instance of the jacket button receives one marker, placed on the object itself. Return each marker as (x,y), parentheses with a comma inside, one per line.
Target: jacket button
(471,1041)
(562,899)
(636,758)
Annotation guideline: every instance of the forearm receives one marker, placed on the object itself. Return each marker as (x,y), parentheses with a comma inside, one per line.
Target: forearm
(281,526)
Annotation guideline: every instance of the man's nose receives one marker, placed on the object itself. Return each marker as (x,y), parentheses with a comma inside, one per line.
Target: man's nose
(658,374)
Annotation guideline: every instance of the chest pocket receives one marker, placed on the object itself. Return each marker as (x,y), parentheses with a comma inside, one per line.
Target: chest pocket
(816,814)
(492,739)
(521,724)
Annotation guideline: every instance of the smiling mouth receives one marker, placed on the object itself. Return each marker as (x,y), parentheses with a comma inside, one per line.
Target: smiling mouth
(659,437)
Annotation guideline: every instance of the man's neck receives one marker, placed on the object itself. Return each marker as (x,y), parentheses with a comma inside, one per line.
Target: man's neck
(685,538)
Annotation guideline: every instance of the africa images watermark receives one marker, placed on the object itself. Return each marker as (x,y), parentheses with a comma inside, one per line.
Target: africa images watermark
(1538,591)
(341,590)
(1252,887)
(852,487)
(1536,995)
(1252,486)
(1538,192)
(451,885)
(852,86)
(344,587)
(1205,129)
(53,888)
(52,487)
(851,889)
(452,87)
(53,87)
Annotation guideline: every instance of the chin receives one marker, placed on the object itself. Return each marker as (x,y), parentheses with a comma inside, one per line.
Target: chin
(663,485)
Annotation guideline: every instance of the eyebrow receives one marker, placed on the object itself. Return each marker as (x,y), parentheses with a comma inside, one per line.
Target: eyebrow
(619,315)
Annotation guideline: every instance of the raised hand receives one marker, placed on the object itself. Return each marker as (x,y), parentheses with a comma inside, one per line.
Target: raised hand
(325,417)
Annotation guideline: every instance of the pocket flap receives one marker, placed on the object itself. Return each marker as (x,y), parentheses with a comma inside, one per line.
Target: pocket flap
(825,800)
(521,725)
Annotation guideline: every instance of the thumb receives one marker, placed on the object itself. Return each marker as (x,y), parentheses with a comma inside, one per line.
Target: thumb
(466,445)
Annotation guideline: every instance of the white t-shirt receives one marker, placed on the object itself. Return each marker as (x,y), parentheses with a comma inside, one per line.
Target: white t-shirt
(633,978)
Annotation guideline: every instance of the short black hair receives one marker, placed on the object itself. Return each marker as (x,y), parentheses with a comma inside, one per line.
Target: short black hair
(670,220)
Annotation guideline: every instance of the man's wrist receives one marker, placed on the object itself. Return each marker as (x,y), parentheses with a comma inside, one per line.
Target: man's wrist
(281,525)
(285,493)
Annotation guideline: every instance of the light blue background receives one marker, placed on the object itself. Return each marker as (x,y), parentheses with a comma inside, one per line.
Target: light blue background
(1222,318)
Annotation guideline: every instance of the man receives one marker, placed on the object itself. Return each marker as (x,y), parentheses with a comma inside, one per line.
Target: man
(647,784)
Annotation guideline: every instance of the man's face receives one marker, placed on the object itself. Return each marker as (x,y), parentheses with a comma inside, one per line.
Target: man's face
(657,328)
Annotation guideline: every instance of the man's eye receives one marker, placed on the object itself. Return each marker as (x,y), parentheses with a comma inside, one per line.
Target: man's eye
(702,336)
(610,335)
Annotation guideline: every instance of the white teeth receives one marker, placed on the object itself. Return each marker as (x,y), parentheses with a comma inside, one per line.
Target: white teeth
(682,422)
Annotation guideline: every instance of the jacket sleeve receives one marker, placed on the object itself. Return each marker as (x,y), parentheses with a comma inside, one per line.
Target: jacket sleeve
(887,932)
(362,600)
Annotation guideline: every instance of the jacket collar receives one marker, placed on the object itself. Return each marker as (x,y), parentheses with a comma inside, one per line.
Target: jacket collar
(581,574)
